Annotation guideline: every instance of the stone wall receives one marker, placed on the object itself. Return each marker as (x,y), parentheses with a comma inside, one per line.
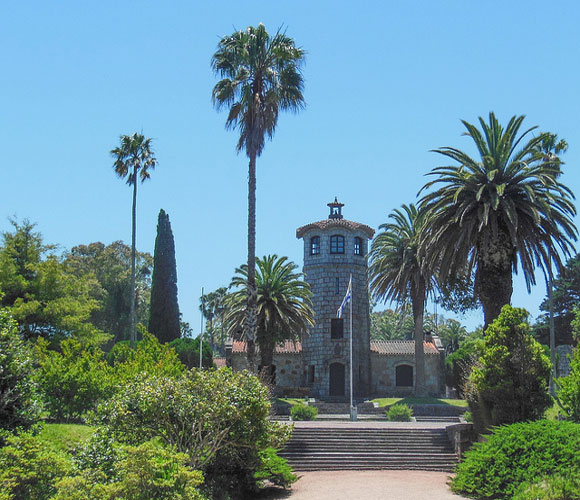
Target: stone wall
(328,276)
(289,370)
(384,374)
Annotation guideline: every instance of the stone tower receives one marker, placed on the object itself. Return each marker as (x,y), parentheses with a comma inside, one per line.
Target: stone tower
(335,249)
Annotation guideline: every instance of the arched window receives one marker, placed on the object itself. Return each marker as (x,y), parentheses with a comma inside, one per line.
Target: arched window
(357,245)
(404,376)
(315,245)
(337,244)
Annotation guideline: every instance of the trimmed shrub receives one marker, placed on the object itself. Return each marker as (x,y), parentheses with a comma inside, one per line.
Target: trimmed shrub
(518,453)
(509,383)
(301,411)
(550,488)
(399,413)
(274,469)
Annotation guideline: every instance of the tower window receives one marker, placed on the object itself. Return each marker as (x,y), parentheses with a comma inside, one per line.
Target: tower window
(336,328)
(337,244)
(357,246)
(315,245)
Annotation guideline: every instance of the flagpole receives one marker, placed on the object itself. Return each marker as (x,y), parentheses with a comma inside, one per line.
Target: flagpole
(352,414)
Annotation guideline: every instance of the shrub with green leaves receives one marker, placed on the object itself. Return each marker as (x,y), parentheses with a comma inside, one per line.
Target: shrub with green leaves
(509,383)
(301,411)
(73,381)
(458,365)
(188,351)
(399,413)
(274,469)
(19,405)
(30,469)
(550,488)
(100,453)
(568,389)
(518,453)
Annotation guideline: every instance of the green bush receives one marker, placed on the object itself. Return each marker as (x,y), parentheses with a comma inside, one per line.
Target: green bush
(550,488)
(100,453)
(188,351)
(73,381)
(509,383)
(399,413)
(19,405)
(274,469)
(301,411)
(29,469)
(218,418)
(518,453)
(568,389)
(458,365)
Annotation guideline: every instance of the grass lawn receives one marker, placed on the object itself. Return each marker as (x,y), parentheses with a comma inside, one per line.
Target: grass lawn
(288,401)
(65,437)
(421,401)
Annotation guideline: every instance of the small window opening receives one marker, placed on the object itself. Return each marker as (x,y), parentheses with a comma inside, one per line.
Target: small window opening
(337,244)
(336,328)
(357,246)
(315,245)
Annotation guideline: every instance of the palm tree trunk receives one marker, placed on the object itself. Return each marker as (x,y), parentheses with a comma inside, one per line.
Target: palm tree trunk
(132,333)
(494,289)
(251,308)
(418,293)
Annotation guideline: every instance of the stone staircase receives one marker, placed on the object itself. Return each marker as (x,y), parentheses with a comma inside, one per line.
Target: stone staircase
(327,448)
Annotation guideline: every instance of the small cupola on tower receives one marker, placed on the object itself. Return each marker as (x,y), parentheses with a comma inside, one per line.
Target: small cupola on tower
(335,209)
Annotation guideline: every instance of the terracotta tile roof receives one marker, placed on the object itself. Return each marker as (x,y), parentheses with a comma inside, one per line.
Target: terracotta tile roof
(341,223)
(286,347)
(220,362)
(398,347)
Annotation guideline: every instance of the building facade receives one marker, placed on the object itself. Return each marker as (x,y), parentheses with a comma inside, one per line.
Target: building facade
(335,254)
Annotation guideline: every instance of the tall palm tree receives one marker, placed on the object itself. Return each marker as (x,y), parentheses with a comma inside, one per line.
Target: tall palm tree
(397,273)
(452,333)
(133,160)
(490,213)
(284,306)
(260,77)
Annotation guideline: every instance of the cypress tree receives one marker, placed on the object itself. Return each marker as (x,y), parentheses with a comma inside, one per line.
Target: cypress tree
(164,315)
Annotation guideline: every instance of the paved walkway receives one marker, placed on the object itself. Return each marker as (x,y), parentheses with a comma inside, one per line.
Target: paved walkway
(369,485)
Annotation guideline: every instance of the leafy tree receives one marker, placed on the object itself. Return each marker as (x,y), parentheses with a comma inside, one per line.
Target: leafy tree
(510,382)
(392,324)
(188,351)
(283,301)
(111,266)
(452,333)
(568,389)
(458,365)
(260,77)
(397,273)
(212,306)
(19,407)
(487,215)
(164,318)
(132,160)
(43,295)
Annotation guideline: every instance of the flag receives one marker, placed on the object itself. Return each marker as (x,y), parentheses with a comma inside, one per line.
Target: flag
(346,299)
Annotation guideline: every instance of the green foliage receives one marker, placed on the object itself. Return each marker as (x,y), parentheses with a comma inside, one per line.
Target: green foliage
(74,380)
(188,351)
(213,307)
(458,365)
(110,265)
(148,357)
(510,382)
(99,453)
(560,487)
(392,324)
(399,413)
(274,469)
(19,407)
(43,295)
(303,412)
(452,335)
(29,469)
(568,389)
(164,313)
(518,453)
(65,437)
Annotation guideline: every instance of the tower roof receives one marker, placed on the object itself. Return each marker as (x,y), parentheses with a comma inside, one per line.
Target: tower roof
(336,219)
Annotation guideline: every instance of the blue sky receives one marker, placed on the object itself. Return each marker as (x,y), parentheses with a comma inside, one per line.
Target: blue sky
(385,82)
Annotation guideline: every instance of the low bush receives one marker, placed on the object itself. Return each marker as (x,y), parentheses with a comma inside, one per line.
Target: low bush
(518,453)
(274,469)
(399,413)
(568,389)
(301,411)
(550,488)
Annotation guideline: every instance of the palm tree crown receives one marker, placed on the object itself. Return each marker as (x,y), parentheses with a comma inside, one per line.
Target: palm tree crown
(396,272)
(284,303)
(488,214)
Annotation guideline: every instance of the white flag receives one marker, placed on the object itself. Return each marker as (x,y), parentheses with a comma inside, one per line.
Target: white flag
(346,299)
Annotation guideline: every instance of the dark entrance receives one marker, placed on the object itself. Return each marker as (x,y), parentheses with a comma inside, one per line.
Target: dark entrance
(336,379)
(404,374)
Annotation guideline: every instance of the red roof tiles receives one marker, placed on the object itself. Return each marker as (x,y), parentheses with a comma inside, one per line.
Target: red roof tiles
(329,223)
(399,347)
(286,347)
